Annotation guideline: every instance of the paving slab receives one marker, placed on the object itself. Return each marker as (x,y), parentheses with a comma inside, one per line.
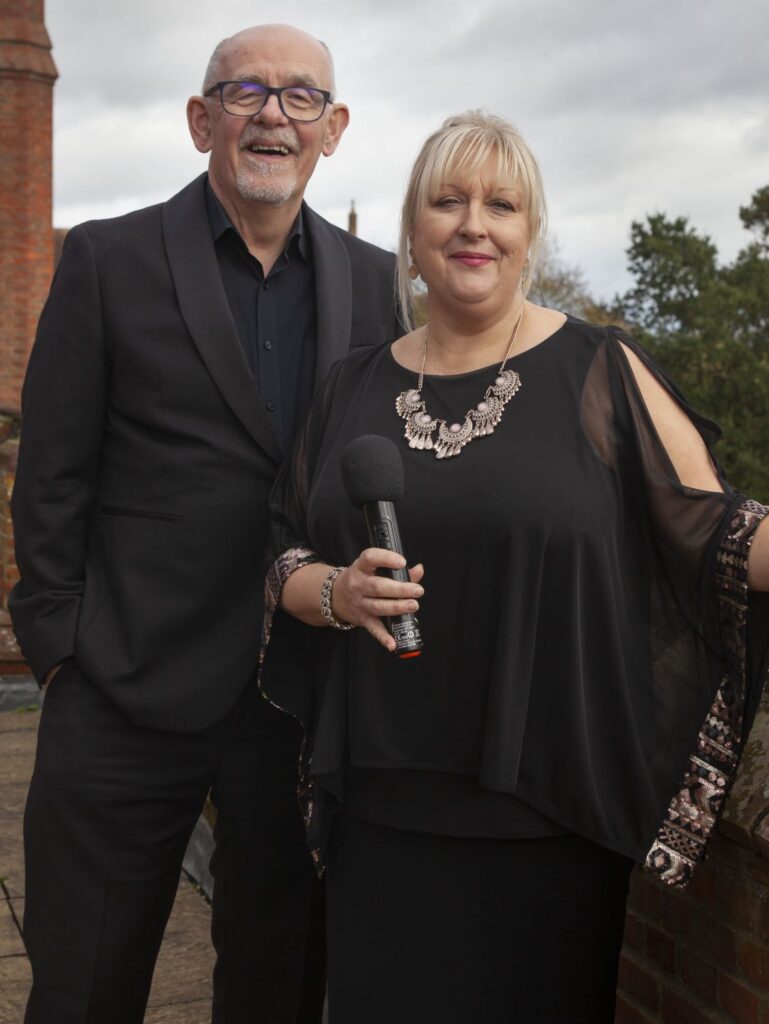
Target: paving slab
(12,855)
(10,939)
(197,1012)
(186,960)
(19,720)
(15,979)
(181,991)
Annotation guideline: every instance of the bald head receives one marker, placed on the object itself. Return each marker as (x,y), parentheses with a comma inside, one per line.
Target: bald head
(284,42)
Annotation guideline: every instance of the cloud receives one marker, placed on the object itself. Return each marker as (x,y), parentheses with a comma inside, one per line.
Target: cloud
(631,108)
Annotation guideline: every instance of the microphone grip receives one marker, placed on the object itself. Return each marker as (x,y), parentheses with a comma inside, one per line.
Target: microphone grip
(383,532)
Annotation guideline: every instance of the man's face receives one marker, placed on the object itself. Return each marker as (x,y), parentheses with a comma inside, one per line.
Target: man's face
(268,158)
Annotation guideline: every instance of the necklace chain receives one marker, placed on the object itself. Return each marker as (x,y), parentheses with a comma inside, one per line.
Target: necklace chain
(478,422)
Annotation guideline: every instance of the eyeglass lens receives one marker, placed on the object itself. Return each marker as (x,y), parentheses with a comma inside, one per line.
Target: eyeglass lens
(302,104)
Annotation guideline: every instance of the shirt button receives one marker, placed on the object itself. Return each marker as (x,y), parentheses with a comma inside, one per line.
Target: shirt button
(270,406)
(268,345)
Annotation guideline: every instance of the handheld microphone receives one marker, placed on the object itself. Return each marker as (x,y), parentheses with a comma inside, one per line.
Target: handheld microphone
(372,471)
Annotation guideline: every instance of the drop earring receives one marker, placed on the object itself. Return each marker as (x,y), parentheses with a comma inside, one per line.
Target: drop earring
(413,268)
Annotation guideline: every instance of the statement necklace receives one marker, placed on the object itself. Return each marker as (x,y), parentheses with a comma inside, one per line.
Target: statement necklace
(479,422)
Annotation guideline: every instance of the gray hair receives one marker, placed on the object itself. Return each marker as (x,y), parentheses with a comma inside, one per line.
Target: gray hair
(464,142)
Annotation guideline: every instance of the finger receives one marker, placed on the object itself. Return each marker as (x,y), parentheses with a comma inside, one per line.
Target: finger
(387,608)
(416,573)
(372,559)
(379,632)
(396,590)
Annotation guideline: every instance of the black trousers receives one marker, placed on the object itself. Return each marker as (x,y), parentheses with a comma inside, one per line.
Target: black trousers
(426,928)
(110,810)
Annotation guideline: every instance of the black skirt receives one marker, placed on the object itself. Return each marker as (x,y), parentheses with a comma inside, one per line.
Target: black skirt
(459,930)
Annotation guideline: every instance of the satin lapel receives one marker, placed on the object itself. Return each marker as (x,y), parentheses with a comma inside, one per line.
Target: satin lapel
(333,287)
(204,308)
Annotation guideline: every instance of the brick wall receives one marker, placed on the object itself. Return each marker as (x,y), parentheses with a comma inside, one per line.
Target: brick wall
(702,956)
(27,74)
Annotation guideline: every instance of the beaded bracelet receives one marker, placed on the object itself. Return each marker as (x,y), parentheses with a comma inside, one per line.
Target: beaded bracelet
(325,600)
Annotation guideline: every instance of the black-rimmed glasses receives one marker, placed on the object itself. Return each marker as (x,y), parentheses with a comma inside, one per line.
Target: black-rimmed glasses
(298,102)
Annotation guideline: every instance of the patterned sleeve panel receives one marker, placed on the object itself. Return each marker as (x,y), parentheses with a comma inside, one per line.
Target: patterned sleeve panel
(693,812)
(277,574)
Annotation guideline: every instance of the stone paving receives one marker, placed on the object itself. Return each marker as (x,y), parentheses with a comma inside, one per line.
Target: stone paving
(181,993)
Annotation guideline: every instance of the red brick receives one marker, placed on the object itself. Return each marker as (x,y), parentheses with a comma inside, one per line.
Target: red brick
(676,913)
(675,1009)
(699,975)
(710,936)
(763,919)
(639,983)
(722,849)
(738,1001)
(739,901)
(634,931)
(704,885)
(758,870)
(754,960)
(27,74)
(661,948)
(627,1014)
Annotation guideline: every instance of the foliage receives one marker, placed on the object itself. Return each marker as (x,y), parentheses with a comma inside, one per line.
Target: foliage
(708,325)
(559,285)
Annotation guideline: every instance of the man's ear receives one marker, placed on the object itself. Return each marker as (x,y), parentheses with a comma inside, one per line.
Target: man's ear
(199,123)
(338,120)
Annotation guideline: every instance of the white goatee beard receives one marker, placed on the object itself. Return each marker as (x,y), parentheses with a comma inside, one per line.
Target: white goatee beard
(255,188)
(252,180)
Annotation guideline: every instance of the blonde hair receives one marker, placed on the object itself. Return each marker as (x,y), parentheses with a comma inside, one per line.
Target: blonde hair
(463,143)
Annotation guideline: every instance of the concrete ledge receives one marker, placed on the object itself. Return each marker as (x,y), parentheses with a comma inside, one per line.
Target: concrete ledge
(18,692)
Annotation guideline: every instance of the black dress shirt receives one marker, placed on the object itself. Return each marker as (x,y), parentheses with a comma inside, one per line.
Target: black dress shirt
(274,317)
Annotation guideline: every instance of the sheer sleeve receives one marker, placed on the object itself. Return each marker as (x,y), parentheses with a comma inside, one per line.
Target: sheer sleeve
(287,677)
(708,641)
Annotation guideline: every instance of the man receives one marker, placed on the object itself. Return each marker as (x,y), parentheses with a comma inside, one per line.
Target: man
(176,354)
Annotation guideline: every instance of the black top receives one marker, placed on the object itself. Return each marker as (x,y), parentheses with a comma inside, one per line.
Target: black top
(274,317)
(571,654)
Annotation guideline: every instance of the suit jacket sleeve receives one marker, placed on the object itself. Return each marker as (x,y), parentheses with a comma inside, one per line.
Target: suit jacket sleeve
(63,422)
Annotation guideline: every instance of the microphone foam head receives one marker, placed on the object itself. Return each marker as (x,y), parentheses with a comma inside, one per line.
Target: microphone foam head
(372,470)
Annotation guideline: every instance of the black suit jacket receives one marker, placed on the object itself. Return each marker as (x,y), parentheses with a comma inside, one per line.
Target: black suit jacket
(140,504)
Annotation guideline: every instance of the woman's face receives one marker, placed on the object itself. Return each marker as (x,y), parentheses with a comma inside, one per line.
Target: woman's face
(472,241)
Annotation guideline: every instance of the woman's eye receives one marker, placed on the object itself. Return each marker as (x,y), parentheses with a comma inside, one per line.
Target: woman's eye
(446,201)
(503,204)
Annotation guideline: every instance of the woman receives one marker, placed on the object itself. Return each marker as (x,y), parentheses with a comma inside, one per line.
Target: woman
(583,691)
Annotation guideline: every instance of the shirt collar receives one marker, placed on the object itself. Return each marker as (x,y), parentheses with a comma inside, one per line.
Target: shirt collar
(220,224)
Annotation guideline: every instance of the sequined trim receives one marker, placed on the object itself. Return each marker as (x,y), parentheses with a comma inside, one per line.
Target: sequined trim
(277,574)
(693,812)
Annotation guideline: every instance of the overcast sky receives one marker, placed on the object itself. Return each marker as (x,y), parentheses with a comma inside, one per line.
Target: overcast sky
(631,106)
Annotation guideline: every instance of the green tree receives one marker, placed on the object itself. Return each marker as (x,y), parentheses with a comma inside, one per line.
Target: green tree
(708,325)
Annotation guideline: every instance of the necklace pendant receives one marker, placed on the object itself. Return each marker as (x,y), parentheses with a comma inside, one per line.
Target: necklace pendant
(409,402)
(451,440)
(506,385)
(419,428)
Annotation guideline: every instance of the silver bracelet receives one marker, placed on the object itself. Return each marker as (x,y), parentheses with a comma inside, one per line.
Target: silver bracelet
(325,600)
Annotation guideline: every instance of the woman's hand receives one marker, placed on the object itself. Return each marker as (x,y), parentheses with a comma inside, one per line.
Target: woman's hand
(358,595)
(363,598)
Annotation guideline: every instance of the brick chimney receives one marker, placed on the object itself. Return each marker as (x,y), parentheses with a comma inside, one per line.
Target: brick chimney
(27,74)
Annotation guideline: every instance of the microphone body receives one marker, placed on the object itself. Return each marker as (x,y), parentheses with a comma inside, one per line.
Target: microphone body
(372,471)
(383,532)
